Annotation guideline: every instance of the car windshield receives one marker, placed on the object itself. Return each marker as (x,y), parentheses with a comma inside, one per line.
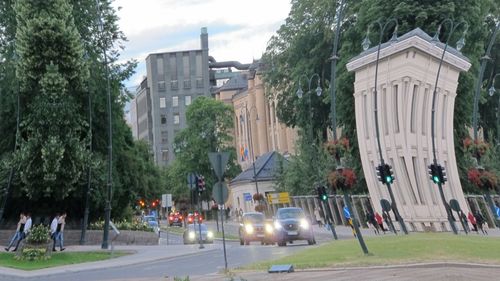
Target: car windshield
(253,218)
(196,227)
(149,219)
(290,214)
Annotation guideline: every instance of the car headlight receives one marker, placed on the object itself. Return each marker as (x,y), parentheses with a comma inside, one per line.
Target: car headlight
(248,228)
(210,235)
(304,224)
(277,225)
(269,228)
(191,235)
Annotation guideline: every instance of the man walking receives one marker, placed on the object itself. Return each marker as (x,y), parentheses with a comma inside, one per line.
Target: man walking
(53,230)
(60,229)
(17,234)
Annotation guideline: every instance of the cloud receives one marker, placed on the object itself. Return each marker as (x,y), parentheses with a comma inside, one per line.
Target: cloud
(238,29)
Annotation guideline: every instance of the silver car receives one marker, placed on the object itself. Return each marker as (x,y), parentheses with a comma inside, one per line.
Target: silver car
(192,234)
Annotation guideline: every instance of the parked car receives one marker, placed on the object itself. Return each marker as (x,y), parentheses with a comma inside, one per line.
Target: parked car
(192,234)
(253,227)
(175,219)
(291,224)
(151,222)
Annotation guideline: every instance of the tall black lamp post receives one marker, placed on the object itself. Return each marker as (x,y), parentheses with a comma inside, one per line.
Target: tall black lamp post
(491,92)
(107,208)
(439,177)
(383,166)
(484,61)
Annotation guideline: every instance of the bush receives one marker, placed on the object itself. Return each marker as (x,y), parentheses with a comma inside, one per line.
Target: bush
(123,225)
(33,254)
(38,235)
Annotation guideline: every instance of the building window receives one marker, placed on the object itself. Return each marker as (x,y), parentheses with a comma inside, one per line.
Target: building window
(175,101)
(185,64)
(199,82)
(159,65)
(413,122)
(164,155)
(161,86)
(187,100)
(163,103)
(176,118)
(173,67)
(174,85)
(163,119)
(187,84)
(164,137)
(396,109)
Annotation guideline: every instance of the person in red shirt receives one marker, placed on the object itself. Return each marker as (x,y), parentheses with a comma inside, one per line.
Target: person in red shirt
(472,220)
(380,221)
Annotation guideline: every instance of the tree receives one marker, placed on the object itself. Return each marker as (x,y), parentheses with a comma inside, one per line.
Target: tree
(209,125)
(53,149)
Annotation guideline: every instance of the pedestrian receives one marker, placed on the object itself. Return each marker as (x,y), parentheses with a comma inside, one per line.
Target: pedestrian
(380,221)
(472,220)
(240,214)
(60,230)
(480,222)
(25,229)
(17,235)
(53,230)
(317,216)
(370,220)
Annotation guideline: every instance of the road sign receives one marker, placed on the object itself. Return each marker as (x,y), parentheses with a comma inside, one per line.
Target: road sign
(386,205)
(247,196)
(219,162)
(347,214)
(220,193)
(497,211)
(454,205)
(191,180)
(164,200)
(278,198)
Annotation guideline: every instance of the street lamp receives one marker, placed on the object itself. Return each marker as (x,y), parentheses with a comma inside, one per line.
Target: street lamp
(300,94)
(366,45)
(250,143)
(107,208)
(491,92)
(460,44)
(484,61)
(333,74)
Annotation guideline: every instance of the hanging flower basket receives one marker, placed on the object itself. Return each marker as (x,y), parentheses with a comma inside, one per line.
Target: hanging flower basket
(344,179)
(482,179)
(476,148)
(338,147)
(258,197)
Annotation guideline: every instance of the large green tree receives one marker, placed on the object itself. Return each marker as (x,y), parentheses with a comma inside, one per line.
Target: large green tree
(209,125)
(134,175)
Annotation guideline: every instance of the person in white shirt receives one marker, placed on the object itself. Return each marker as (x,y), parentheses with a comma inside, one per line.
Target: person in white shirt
(27,226)
(53,230)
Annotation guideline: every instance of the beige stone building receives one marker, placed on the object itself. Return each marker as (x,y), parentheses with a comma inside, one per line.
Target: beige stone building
(257,131)
(406,79)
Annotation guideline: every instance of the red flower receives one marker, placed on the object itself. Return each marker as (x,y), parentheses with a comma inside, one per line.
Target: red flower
(342,180)
(482,179)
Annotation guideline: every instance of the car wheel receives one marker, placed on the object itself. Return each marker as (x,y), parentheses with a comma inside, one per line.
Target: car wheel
(241,242)
(247,242)
(311,242)
(262,243)
(281,244)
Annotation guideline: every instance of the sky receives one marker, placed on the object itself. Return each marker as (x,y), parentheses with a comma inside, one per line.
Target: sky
(237,29)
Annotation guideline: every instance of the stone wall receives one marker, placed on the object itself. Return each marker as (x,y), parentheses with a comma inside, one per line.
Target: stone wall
(94,237)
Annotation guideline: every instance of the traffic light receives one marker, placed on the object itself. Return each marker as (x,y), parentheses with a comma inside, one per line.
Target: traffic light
(434,173)
(442,174)
(388,174)
(200,183)
(322,194)
(381,173)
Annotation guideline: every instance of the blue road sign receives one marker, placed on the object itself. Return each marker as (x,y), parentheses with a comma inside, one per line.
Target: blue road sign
(247,196)
(347,214)
(498,211)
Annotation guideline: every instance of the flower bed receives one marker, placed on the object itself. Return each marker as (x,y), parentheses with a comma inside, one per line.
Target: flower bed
(123,225)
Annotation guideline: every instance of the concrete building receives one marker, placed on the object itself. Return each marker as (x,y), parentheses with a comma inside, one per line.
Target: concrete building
(173,81)
(406,80)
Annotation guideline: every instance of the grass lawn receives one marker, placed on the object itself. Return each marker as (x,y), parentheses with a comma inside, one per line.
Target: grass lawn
(57,259)
(413,248)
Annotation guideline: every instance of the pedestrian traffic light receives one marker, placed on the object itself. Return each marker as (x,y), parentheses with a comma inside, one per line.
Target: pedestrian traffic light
(380,173)
(442,174)
(434,173)
(388,174)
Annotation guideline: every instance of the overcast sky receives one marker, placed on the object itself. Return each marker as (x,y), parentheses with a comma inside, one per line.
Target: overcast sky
(237,29)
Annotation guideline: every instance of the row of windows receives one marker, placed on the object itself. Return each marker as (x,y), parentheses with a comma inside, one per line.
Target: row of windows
(192,64)
(175,101)
(174,84)
(163,119)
